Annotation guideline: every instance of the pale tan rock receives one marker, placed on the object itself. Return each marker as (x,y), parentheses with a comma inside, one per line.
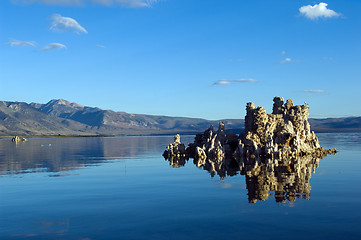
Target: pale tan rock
(210,144)
(15,139)
(177,139)
(175,149)
(285,132)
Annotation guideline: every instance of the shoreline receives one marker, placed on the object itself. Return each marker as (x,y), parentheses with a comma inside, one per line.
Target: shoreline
(166,133)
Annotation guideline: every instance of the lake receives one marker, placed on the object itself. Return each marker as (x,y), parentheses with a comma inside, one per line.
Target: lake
(122,188)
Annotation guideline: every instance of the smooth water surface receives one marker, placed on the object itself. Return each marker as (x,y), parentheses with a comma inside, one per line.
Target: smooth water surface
(122,188)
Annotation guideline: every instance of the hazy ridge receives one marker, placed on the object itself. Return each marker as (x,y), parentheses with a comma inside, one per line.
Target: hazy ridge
(61,117)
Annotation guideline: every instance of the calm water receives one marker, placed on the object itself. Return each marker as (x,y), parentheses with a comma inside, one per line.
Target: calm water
(122,188)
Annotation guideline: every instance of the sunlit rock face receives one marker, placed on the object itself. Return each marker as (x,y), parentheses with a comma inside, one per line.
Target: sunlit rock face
(211,144)
(282,134)
(285,132)
(175,149)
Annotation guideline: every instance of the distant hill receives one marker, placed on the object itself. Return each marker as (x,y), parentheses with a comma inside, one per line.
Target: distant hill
(18,118)
(61,117)
(349,124)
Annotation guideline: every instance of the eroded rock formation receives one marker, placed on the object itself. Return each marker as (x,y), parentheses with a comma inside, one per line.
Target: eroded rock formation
(15,139)
(284,133)
(175,149)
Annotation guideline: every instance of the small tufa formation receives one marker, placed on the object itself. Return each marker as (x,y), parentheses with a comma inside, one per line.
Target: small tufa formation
(284,133)
(210,144)
(175,149)
(17,139)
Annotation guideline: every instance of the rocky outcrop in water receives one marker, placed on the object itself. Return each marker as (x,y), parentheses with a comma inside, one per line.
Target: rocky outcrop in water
(15,139)
(277,152)
(284,133)
(175,149)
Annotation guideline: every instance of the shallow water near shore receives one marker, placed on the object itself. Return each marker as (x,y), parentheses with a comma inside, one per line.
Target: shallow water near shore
(122,188)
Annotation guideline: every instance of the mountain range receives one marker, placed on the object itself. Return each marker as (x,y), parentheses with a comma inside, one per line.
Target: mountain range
(61,117)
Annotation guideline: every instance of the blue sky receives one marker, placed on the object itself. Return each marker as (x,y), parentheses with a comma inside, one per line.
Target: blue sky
(183,57)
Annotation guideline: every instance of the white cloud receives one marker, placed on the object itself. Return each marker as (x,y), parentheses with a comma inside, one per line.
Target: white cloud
(222,82)
(52,46)
(318,11)
(228,82)
(22,43)
(286,60)
(100,46)
(61,23)
(314,91)
(121,3)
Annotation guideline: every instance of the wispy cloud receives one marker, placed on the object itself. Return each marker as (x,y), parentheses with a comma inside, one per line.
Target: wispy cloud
(121,3)
(283,52)
(286,60)
(21,43)
(61,23)
(130,3)
(327,58)
(228,82)
(100,46)
(52,46)
(318,11)
(314,91)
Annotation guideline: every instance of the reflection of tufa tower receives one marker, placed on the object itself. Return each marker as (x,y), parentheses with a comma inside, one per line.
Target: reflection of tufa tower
(287,179)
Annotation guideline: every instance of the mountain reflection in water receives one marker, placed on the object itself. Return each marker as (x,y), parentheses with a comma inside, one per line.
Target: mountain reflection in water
(288,179)
(58,155)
